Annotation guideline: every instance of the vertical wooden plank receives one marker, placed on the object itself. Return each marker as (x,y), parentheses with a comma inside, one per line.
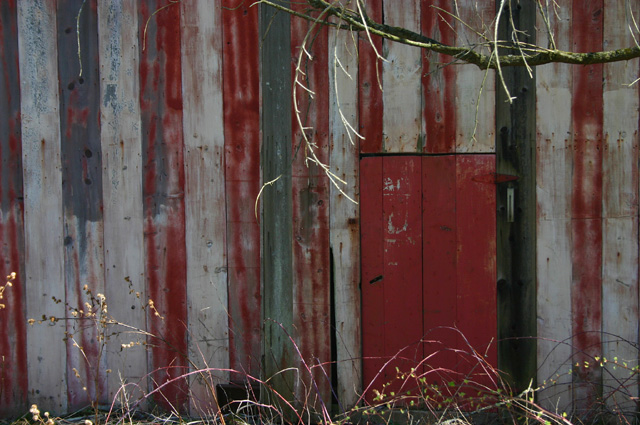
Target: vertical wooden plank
(344,215)
(586,205)
(204,194)
(370,106)
(401,79)
(122,190)
(439,265)
(44,256)
(402,244)
(475,90)
(516,235)
(82,195)
(476,260)
(310,186)
(242,171)
(277,277)
(372,274)
(163,192)
(13,344)
(620,212)
(438,80)
(553,241)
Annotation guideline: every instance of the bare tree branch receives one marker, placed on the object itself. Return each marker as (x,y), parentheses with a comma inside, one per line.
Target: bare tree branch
(525,55)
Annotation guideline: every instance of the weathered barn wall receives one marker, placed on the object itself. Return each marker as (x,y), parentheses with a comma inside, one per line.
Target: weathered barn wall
(132,160)
(587,201)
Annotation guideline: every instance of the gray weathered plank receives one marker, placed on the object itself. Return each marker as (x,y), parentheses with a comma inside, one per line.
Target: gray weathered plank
(204,195)
(344,213)
(620,213)
(122,192)
(44,256)
(276,198)
(553,233)
(401,79)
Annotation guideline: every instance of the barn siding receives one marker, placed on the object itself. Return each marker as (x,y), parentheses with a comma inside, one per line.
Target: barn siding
(620,211)
(138,178)
(310,214)
(587,182)
(207,321)
(13,344)
(43,209)
(242,172)
(553,194)
(82,193)
(344,214)
(122,171)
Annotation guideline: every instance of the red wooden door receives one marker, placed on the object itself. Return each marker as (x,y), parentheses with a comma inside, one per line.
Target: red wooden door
(428,267)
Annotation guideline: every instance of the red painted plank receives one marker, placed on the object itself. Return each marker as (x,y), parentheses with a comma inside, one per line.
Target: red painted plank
(311,268)
(82,196)
(586,202)
(438,81)
(476,263)
(439,262)
(402,242)
(372,272)
(164,210)
(311,271)
(242,174)
(13,345)
(369,92)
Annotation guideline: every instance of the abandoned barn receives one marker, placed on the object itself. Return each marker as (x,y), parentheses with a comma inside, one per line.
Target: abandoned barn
(218,184)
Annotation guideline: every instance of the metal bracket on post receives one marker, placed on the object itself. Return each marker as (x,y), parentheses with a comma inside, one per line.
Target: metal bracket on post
(511,192)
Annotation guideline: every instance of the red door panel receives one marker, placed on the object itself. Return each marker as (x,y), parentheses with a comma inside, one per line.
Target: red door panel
(428,267)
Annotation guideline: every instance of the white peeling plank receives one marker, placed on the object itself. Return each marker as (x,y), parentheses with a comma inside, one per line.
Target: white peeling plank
(475,88)
(401,82)
(122,191)
(205,196)
(44,255)
(344,214)
(553,192)
(620,210)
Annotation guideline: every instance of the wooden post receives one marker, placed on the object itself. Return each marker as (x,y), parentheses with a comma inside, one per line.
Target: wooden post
(277,350)
(516,249)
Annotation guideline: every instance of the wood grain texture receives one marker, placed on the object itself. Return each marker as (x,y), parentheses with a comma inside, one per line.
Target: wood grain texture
(402,244)
(310,215)
(370,105)
(277,295)
(44,256)
(242,171)
(476,262)
(401,79)
(553,227)
(372,278)
(620,214)
(82,196)
(13,344)
(475,89)
(439,266)
(163,196)
(438,81)
(121,146)
(207,293)
(344,215)
(586,205)
(516,232)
